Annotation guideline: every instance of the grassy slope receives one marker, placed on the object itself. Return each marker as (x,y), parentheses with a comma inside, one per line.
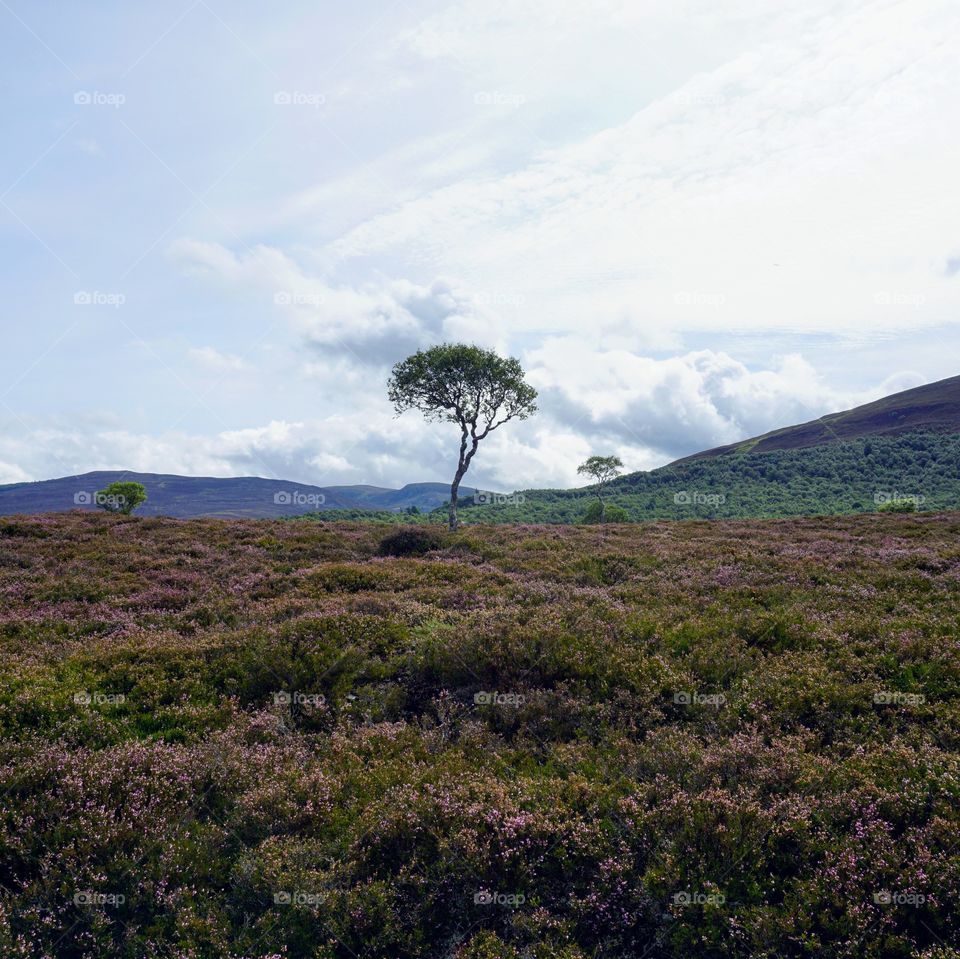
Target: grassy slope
(622,819)
(833,479)
(934,406)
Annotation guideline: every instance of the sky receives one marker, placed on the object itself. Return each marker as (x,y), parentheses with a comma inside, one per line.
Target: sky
(691,220)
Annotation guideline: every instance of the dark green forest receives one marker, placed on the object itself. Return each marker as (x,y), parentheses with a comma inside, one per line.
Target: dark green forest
(854,476)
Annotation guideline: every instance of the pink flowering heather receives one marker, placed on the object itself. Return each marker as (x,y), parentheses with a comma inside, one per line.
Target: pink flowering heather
(256,740)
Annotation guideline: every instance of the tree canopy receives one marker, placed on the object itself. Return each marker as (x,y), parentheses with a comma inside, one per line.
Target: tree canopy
(475,388)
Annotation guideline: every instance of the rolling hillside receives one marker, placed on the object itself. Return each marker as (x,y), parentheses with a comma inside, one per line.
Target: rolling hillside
(192,496)
(904,446)
(932,407)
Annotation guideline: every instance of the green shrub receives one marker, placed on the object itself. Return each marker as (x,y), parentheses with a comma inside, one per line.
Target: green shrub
(614,514)
(898,506)
(121,498)
(410,541)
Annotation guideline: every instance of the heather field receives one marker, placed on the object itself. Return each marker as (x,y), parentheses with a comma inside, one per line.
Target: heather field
(265,739)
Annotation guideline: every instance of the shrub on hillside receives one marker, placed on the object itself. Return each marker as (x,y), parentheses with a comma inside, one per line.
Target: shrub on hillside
(906,505)
(410,541)
(614,514)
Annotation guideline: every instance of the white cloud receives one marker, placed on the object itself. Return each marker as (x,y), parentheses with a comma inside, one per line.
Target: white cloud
(11,473)
(211,359)
(805,183)
(664,409)
(376,325)
(655,203)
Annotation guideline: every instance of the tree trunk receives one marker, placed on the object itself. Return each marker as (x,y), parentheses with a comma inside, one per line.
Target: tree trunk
(454,490)
(462,467)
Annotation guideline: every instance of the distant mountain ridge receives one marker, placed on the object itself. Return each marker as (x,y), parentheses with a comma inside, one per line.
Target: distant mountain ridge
(190,496)
(844,462)
(933,407)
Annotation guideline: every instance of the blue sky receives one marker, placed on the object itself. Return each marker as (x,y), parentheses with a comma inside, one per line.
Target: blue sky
(221,223)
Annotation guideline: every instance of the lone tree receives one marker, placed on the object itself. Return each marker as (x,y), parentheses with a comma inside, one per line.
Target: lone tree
(121,498)
(474,388)
(602,469)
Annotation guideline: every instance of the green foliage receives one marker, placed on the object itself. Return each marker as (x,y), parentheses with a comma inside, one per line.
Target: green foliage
(838,478)
(898,506)
(410,541)
(462,384)
(601,468)
(596,513)
(474,388)
(121,497)
(726,739)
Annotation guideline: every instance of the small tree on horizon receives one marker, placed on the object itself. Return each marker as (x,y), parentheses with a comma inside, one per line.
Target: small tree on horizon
(121,497)
(602,469)
(475,388)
